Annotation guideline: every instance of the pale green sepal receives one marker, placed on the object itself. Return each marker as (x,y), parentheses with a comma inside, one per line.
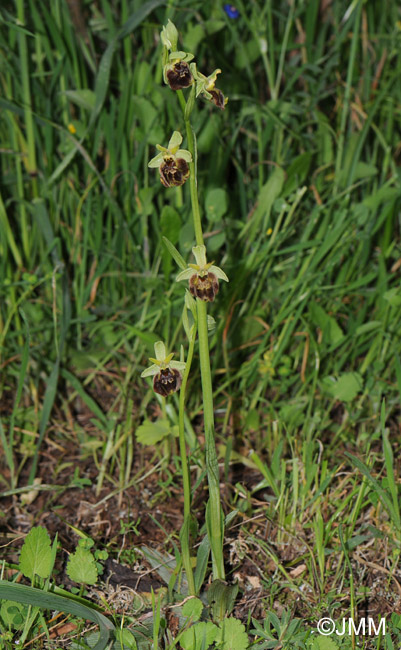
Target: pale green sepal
(156,161)
(175,141)
(184,154)
(177,55)
(160,350)
(184,275)
(177,365)
(181,56)
(152,370)
(219,273)
(200,255)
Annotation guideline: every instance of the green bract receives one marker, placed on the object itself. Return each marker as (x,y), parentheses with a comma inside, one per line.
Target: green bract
(201,267)
(162,361)
(169,36)
(171,151)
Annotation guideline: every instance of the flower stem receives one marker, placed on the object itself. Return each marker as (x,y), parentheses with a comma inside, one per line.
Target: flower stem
(214,520)
(184,536)
(214,517)
(193,183)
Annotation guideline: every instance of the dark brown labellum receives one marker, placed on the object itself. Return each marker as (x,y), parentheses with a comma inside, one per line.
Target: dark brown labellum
(167,381)
(179,75)
(173,171)
(218,98)
(204,287)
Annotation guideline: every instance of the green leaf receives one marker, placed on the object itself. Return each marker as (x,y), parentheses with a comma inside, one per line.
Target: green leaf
(193,609)
(233,635)
(393,296)
(270,191)
(345,387)
(103,75)
(81,567)
(48,600)
(324,643)
(216,204)
(332,333)
(36,554)
(13,614)
(170,224)
(370,326)
(83,97)
(221,598)
(150,433)
(200,636)
(175,254)
(297,172)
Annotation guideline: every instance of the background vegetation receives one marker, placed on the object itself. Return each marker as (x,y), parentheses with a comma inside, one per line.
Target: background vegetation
(299,181)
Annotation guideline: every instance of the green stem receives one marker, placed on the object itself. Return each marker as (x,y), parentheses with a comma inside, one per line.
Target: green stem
(193,183)
(214,517)
(214,521)
(184,536)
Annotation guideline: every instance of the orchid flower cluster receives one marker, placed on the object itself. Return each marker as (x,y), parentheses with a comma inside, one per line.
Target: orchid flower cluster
(179,73)
(174,168)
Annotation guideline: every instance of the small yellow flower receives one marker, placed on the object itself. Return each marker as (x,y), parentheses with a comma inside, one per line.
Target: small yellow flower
(71,128)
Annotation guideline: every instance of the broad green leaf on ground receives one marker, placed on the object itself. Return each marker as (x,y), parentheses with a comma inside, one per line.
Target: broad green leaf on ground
(150,433)
(13,614)
(193,609)
(345,387)
(36,555)
(233,635)
(200,636)
(322,643)
(81,567)
(332,332)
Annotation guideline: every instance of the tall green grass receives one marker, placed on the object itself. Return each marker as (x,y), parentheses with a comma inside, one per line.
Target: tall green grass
(307,223)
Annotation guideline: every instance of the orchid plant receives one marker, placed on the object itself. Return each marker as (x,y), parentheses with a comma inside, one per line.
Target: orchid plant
(176,166)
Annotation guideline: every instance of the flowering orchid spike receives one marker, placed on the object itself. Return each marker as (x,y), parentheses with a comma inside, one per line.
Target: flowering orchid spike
(166,373)
(203,276)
